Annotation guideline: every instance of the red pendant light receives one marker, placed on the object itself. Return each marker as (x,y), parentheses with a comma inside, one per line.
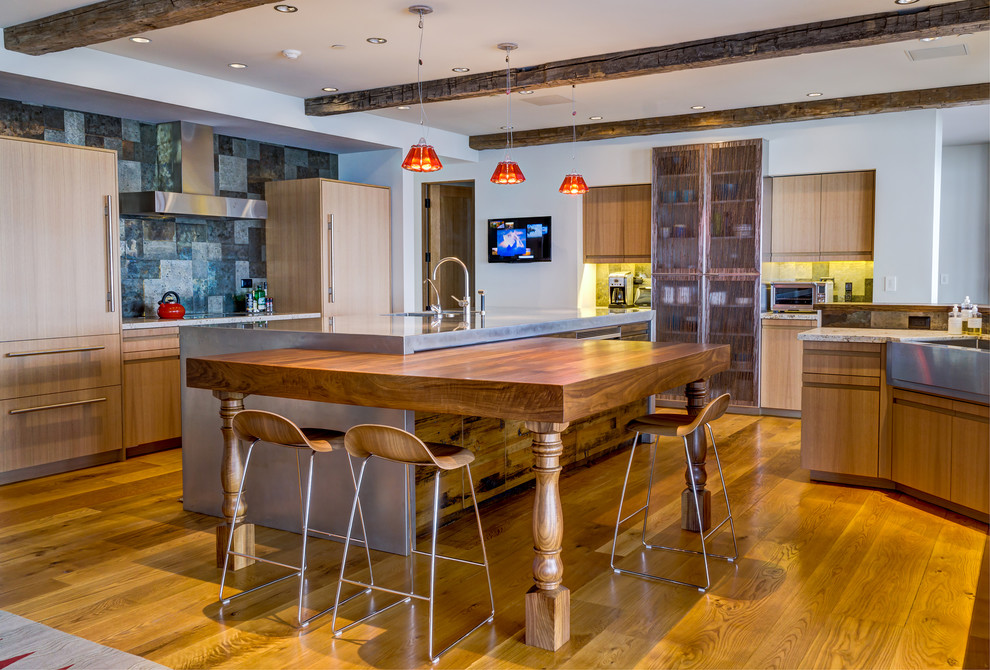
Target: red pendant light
(508,171)
(421,157)
(573,183)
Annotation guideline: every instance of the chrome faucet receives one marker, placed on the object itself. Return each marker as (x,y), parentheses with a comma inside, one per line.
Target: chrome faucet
(464,302)
(434,307)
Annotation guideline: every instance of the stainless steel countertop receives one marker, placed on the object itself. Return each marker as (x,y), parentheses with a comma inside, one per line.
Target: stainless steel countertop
(133,323)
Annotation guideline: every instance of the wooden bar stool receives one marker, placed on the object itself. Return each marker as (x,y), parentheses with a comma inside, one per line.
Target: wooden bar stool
(393,444)
(677,425)
(254,426)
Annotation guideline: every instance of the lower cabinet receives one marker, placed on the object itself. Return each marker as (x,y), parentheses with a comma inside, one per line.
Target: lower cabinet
(151,380)
(941,447)
(841,402)
(780,362)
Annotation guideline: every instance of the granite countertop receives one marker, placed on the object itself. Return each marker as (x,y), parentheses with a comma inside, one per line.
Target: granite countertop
(875,335)
(393,333)
(770,316)
(132,323)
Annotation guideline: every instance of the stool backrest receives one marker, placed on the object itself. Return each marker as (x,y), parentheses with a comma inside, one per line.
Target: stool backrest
(387,442)
(255,424)
(713,410)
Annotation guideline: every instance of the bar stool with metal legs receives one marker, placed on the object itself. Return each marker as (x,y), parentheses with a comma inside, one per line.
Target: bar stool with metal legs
(254,426)
(393,444)
(677,425)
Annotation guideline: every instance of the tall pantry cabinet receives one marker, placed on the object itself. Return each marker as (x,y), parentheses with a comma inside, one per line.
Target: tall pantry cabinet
(707,210)
(60,336)
(327,247)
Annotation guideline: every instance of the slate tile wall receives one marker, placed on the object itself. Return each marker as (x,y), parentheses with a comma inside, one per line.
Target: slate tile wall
(203,260)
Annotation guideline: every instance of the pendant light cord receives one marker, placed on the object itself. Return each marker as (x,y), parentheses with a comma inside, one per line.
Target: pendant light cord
(573,124)
(508,107)
(419,79)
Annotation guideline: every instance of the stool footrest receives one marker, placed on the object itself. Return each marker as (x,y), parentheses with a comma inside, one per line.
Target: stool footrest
(448,558)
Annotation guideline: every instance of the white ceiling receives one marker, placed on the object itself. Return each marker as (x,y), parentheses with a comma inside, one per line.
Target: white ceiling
(463,33)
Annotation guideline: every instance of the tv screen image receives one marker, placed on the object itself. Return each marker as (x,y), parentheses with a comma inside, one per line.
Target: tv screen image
(521,240)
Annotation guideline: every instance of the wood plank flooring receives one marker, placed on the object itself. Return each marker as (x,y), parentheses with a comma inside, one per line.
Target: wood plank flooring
(828,576)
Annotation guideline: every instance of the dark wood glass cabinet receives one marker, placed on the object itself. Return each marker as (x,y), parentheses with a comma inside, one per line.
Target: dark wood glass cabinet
(707,213)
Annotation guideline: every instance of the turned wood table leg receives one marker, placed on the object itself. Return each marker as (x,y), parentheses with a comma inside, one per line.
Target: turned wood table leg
(697,397)
(231,470)
(548,604)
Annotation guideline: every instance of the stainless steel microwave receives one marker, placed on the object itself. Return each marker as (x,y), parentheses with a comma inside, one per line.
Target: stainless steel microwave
(799,296)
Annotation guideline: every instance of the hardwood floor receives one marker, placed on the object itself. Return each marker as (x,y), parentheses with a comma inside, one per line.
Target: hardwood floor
(828,576)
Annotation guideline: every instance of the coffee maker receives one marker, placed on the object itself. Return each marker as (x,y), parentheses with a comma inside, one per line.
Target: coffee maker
(620,289)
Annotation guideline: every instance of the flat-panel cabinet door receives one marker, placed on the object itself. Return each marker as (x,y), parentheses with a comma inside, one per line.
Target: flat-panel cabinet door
(781,357)
(970,481)
(58,238)
(839,429)
(847,214)
(921,448)
(603,225)
(795,216)
(358,248)
(636,232)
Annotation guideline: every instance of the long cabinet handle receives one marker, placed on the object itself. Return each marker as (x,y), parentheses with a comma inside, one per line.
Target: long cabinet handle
(19,354)
(56,406)
(110,252)
(332,264)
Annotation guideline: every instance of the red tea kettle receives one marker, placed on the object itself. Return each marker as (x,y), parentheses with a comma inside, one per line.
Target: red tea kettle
(169,307)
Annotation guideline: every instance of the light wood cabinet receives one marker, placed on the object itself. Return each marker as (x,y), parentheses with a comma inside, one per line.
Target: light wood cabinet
(58,232)
(941,447)
(781,362)
(822,217)
(152,415)
(60,338)
(328,247)
(617,224)
(841,405)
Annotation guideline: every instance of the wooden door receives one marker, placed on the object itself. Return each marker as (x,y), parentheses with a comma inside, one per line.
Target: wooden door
(58,241)
(847,215)
(295,246)
(921,444)
(970,479)
(840,428)
(635,223)
(795,218)
(780,363)
(678,208)
(358,248)
(603,225)
(734,216)
(449,231)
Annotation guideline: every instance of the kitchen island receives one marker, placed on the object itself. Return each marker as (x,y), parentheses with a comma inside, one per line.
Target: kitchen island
(545,382)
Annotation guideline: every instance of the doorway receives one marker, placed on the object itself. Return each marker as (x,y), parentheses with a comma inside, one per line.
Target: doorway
(448,230)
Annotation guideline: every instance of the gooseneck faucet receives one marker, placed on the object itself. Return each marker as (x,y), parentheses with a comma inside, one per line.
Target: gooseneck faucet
(464,302)
(434,306)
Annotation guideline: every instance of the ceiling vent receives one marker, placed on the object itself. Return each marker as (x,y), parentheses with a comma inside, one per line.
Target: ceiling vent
(937,52)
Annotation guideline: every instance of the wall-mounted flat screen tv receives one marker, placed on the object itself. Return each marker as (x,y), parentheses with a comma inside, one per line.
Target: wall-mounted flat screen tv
(525,239)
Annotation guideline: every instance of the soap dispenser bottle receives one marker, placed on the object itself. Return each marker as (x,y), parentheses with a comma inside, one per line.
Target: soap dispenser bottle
(966,310)
(955,321)
(974,326)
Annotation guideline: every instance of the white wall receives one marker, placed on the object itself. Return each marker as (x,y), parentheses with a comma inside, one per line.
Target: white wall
(904,148)
(964,247)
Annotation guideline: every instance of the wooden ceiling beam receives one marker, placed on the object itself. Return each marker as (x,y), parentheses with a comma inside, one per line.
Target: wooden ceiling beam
(952,96)
(111,20)
(966,16)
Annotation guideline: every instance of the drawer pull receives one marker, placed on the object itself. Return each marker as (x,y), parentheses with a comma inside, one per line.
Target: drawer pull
(56,406)
(19,354)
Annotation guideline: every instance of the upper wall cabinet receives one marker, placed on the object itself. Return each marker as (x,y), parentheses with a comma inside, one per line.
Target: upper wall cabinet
(617,224)
(826,217)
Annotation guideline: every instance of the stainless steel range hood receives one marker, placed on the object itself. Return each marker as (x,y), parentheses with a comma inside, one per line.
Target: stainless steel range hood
(185,173)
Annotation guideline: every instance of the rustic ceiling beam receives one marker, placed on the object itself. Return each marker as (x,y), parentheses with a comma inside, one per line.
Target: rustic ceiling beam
(111,20)
(966,16)
(950,96)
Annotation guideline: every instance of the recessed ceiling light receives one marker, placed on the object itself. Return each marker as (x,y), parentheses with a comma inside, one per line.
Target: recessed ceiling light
(595,118)
(526,92)
(461,69)
(140,40)
(905,2)
(376,40)
(329,89)
(337,46)
(507,127)
(286,9)
(815,94)
(237,66)
(403,107)
(929,39)
(697,106)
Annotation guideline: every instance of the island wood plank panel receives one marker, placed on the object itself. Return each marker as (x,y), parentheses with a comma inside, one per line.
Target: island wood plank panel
(110,555)
(546,382)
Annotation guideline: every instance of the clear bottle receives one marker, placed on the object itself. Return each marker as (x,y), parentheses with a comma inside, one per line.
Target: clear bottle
(966,310)
(249,302)
(955,321)
(974,326)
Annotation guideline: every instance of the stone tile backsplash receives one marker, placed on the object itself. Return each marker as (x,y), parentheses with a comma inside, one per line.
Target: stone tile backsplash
(203,260)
